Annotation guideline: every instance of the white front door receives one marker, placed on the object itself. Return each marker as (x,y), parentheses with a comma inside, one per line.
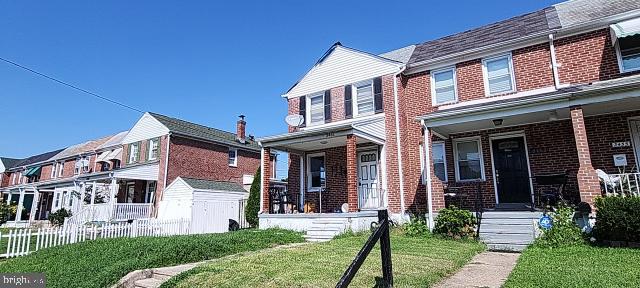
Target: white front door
(368,192)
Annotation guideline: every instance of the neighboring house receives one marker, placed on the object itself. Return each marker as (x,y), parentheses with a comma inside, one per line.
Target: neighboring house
(549,92)
(122,177)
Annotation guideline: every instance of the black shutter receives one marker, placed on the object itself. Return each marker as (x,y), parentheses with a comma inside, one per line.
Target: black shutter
(377,94)
(327,106)
(303,109)
(348,105)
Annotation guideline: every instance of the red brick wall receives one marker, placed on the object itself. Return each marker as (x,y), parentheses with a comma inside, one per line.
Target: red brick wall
(336,173)
(45,173)
(196,159)
(294,109)
(586,58)
(532,67)
(337,104)
(393,174)
(293,183)
(603,130)
(469,80)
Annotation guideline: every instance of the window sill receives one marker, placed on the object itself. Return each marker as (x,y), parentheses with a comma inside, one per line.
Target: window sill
(444,103)
(232,165)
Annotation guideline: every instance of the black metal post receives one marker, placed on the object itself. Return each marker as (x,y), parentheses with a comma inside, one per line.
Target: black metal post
(479,208)
(385,250)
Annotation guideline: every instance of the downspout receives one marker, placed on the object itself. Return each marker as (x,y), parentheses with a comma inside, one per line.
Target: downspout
(166,163)
(554,63)
(397,120)
(261,177)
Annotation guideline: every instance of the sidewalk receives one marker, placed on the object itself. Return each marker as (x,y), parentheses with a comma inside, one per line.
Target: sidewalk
(487,269)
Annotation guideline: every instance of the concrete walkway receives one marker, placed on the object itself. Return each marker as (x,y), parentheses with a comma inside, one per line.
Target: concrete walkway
(487,269)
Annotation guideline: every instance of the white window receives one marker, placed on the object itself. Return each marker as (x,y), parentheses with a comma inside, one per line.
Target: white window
(628,49)
(82,165)
(54,166)
(133,152)
(233,157)
(20,180)
(439,161)
(364,103)
(468,159)
(14,176)
(60,168)
(443,86)
(316,109)
(498,75)
(57,204)
(316,176)
(153,149)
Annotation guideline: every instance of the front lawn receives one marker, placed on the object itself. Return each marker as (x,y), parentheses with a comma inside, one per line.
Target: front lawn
(102,262)
(576,266)
(417,262)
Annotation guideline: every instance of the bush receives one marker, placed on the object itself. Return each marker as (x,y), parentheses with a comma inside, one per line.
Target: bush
(7,211)
(253,204)
(455,223)
(57,218)
(617,219)
(564,231)
(417,226)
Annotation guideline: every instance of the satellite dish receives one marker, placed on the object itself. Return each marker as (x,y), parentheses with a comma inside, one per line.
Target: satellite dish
(294,120)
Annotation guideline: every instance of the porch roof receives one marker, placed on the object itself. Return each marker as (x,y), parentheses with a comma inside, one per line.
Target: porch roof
(370,129)
(601,97)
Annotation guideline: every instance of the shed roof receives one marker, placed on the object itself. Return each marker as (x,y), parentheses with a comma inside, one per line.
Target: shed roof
(203,184)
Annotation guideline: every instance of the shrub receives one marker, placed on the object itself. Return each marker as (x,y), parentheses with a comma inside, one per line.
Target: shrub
(417,226)
(455,223)
(7,211)
(617,219)
(253,204)
(563,232)
(57,218)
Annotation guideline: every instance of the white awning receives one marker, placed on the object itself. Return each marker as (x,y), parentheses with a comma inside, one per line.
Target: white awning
(115,155)
(625,29)
(103,156)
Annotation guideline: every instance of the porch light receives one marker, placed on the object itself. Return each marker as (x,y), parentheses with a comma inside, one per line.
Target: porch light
(497,122)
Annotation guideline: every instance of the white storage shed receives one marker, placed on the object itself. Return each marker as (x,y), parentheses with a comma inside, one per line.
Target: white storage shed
(210,205)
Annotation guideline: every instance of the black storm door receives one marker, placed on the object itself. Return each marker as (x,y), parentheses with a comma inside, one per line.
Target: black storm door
(511,170)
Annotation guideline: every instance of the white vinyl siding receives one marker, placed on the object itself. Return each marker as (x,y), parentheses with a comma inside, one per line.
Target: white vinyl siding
(315,109)
(341,67)
(498,75)
(364,103)
(146,128)
(469,164)
(443,86)
(628,50)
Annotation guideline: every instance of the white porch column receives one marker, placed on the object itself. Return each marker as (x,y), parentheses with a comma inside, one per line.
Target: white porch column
(93,193)
(113,191)
(427,169)
(262,188)
(20,205)
(34,204)
(83,188)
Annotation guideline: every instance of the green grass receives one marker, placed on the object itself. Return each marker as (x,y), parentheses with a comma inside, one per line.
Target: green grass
(102,262)
(417,262)
(577,266)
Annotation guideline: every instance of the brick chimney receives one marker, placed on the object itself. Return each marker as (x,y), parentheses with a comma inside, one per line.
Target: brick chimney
(241,129)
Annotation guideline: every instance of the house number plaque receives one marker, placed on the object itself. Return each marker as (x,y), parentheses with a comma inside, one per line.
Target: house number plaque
(621,144)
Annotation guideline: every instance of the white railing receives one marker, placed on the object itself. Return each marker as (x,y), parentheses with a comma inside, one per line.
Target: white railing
(20,242)
(129,211)
(95,212)
(622,184)
(371,198)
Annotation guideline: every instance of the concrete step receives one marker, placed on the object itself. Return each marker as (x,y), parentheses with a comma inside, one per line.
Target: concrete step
(161,277)
(506,221)
(148,283)
(511,215)
(506,247)
(506,230)
(506,238)
(329,221)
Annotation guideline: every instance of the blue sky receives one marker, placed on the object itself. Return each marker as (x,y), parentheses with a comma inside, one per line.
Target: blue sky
(205,62)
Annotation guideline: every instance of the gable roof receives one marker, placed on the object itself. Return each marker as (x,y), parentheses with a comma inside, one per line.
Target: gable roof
(9,162)
(401,55)
(548,20)
(81,148)
(37,158)
(198,131)
(202,184)
(342,65)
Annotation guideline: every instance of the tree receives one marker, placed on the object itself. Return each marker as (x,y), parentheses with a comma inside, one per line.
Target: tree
(253,204)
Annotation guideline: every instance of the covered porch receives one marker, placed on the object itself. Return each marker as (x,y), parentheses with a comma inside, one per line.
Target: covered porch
(334,172)
(517,151)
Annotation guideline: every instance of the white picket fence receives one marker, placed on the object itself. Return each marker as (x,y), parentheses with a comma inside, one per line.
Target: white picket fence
(20,242)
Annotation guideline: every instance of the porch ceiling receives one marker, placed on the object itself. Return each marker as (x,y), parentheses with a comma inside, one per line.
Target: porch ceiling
(535,113)
(305,145)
